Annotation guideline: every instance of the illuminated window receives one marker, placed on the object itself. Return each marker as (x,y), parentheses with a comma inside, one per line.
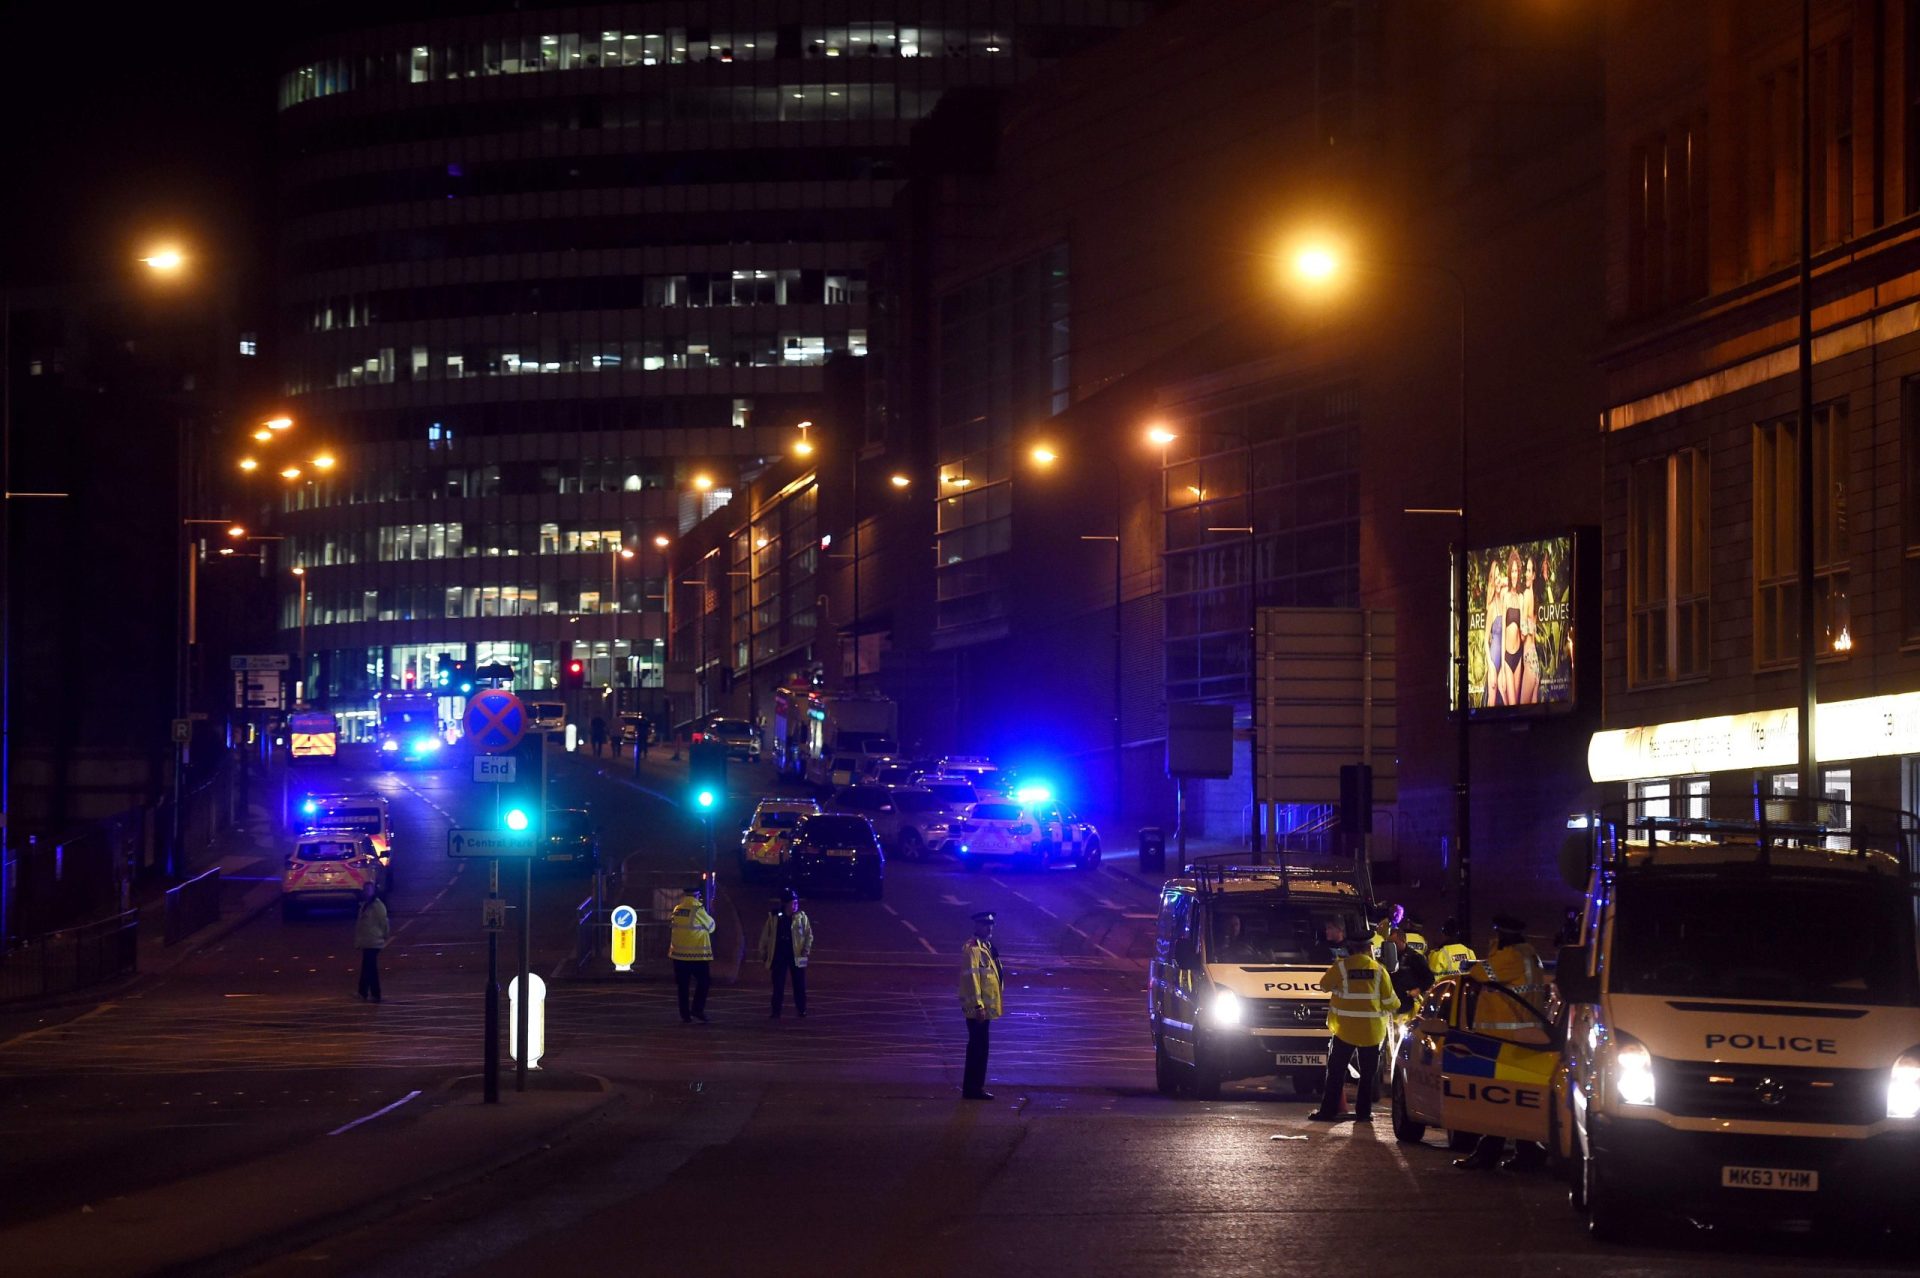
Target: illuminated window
(1667,574)
(1776,509)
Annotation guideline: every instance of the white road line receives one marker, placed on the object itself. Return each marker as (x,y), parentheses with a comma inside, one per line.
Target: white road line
(928,945)
(387,1109)
(1090,941)
(1105,904)
(889,909)
(910,927)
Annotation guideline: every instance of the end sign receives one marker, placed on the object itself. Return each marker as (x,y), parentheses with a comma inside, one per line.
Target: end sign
(495,769)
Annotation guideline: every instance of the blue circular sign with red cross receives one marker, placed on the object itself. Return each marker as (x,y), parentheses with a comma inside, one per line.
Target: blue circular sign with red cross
(495,721)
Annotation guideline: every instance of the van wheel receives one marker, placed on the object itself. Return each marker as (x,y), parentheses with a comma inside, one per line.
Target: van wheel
(1611,1214)
(1405,1130)
(1205,1077)
(1166,1075)
(1460,1142)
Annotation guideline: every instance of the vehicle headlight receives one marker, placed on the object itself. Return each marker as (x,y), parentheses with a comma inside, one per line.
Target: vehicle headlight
(1903,1088)
(1632,1071)
(1224,1008)
(390,744)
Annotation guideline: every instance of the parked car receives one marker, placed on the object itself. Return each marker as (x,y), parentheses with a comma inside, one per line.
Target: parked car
(1027,835)
(629,726)
(921,820)
(741,738)
(329,867)
(986,777)
(873,802)
(571,839)
(764,841)
(839,850)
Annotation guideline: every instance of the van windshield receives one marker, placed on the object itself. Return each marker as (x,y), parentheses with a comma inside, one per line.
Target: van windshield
(1262,929)
(1814,942)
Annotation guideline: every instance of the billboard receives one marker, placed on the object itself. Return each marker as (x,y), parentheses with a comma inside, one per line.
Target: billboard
(1520,626)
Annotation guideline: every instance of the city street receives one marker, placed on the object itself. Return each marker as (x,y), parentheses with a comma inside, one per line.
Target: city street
(834,1144)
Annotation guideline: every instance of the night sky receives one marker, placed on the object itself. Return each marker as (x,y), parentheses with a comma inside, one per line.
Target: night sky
(135,121)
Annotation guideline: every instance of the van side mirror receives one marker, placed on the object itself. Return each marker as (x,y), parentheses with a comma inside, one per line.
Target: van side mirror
(1183,951)
(1577,985)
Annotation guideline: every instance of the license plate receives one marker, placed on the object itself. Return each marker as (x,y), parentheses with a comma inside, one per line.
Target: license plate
(1791,1179)
(842,852)
(1300,1058)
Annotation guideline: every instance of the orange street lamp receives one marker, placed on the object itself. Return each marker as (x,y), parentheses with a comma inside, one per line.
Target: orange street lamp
(278,423)
(703,483)
(291,472)
(323,462)
(662,540)
(1160,436)
(1044,456)
(263,434)
(236,531)
(249,464)
(900,481)
(1316,263)
(165,261)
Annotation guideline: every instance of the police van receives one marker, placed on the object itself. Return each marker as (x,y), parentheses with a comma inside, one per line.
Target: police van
(1233,988)
(1743,1024)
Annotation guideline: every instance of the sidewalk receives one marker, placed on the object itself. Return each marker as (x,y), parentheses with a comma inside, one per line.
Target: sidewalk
(241,1215)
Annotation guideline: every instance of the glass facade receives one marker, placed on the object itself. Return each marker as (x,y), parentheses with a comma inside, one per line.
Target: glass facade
(1003,366)
(527,318)
(1261,506)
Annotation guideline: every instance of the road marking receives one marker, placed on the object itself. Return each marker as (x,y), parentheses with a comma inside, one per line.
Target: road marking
(889,909)
(950,899)
(386,1109)
(910,927)
(1139,916)
(1105,904)
(928,945)
(1095,944)
(54,1029)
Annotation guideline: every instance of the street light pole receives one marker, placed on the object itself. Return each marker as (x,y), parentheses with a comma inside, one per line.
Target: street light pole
(1119,773)
(301,687)
(1809,651)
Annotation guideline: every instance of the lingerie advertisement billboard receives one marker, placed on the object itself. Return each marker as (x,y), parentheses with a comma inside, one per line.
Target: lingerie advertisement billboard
(1520,612)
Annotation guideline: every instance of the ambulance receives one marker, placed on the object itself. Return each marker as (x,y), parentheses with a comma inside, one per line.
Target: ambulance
(1743,1019)
(1233,988)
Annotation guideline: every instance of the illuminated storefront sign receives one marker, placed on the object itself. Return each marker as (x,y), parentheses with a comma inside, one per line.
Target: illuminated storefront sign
(1864,728)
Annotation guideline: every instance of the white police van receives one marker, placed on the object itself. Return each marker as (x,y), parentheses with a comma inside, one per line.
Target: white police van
(1743,1020)
(1233,989)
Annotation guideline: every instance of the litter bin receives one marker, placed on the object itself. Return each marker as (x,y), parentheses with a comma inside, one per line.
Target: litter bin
(1153,850)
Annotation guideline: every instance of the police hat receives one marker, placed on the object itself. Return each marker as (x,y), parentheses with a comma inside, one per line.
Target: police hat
(984,916)
(1508,923)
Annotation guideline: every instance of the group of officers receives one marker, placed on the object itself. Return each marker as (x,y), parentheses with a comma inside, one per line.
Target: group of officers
(1381,973)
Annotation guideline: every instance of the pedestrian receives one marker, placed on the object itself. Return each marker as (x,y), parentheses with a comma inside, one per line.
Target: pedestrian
(642,741)
(371,929)
(1360,999)
(690,946)
(597,731)
(786,942)
(980,982)
(1512,1012)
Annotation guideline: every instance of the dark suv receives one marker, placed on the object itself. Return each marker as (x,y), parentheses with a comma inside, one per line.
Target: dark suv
(838,850)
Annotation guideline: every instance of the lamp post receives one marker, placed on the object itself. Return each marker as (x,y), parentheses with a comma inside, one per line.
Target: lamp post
(1319,265)
(300,686)
(1809,650)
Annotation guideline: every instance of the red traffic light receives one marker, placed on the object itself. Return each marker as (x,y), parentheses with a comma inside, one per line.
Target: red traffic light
(575,667)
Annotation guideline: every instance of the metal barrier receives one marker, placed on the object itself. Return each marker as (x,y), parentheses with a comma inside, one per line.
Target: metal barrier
(652,932)
(192,906)
(72,958)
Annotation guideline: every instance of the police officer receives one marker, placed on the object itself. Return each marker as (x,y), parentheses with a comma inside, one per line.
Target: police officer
(690,946)
(1361,999)
(1516,965)
(980,982)
(1453,956)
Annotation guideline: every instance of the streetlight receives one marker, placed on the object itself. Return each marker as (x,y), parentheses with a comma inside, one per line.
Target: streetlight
(1043,455)
(899,481)
(1319,265)
(703,483)
(165,261)
(300,688)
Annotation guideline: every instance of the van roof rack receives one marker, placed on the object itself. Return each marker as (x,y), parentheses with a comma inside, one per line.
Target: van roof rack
(1211,874)
(1839,829)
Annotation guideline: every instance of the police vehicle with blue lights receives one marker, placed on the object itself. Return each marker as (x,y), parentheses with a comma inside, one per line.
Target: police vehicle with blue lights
(1233,988)
(410,730)
(1028,831)
(366,814)
(1743,1018)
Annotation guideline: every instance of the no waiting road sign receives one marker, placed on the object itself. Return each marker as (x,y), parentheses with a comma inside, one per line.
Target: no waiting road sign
(495,721)
(504,843)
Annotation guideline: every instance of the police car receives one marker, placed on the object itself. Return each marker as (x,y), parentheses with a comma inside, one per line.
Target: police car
(1468,1081)
(765,843)
(1233,989)
(1028,835)
(368,814)
(329,867)
(1743,1019)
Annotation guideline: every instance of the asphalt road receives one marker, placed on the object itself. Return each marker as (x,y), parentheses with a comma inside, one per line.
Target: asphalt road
(835,1144)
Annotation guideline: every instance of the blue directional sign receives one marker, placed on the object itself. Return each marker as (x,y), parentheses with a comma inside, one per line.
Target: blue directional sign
(503,843)
(495,721)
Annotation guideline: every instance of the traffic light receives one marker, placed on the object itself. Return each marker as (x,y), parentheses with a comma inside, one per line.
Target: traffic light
(443,675)
(462,678)
(574,674)
(707,775)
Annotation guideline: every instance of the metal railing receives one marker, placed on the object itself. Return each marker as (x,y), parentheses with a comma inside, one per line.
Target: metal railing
(192,906)
(72,958)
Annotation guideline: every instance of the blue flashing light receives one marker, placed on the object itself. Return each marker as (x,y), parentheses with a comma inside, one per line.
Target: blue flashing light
(310,807)
(705,799)
(1035,792)
(425,745)
(516,819)
(391,744)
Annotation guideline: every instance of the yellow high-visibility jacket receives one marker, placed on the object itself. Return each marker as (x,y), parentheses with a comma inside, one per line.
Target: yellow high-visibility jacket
(1362,1000)
(1445,960)
(979,981)
(1517,967)
(692,937)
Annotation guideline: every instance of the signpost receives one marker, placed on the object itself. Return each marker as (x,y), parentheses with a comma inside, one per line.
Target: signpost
(259,661)
(496,720)
(495,769)
(1199,744)
(514,844)
(625,920)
